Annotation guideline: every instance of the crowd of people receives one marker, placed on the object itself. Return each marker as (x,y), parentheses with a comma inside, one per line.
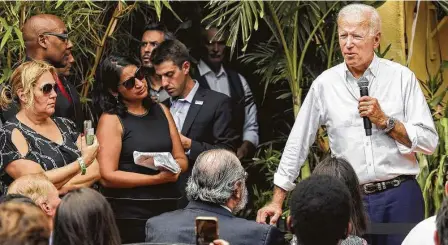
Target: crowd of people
(57,188)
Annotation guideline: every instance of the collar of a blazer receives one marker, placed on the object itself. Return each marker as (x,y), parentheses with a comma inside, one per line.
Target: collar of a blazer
(207,206)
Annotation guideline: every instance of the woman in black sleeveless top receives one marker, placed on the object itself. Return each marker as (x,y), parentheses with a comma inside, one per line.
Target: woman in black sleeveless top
(131,122)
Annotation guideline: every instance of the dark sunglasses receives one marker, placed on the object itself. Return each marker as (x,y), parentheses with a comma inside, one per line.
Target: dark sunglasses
(47,88)
(63,36)
(140,74)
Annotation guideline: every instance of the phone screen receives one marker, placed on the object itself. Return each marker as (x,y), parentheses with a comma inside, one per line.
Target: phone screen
(206,230)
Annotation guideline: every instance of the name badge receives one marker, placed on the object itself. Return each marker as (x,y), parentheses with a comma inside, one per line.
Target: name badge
(199,102)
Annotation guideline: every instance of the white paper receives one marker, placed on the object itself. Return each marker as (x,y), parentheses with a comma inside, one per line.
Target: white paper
(162,161)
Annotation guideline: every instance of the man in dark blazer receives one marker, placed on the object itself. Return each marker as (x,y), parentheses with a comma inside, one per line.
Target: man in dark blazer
(216,188)
(202,116)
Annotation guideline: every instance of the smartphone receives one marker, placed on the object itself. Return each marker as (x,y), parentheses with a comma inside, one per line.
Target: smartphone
(282,224)
(206,230)
(89,132)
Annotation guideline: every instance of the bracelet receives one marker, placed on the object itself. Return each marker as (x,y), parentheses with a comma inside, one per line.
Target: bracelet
(82,164)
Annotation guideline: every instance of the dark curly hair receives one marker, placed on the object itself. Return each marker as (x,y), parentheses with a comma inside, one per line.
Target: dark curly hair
(320,209)
(107,78)
(342,170)
(442,223)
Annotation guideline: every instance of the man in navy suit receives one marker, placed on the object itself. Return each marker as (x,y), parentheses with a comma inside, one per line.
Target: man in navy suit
(216,188)
(203,117)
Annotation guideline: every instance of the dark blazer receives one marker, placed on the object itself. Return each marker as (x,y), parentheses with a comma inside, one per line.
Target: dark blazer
(179,227)
(209,123)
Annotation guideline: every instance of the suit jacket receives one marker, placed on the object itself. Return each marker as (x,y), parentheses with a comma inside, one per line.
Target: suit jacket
(179,227)
(209,123)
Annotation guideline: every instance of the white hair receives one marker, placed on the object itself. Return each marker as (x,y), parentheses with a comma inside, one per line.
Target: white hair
(214,177)
(359,11)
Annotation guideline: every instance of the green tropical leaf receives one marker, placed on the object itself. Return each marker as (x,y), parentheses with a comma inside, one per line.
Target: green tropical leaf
(6,37)
(19,36)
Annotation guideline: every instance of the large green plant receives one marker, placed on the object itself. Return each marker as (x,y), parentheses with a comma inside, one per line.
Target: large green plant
(92,26)
(433,167)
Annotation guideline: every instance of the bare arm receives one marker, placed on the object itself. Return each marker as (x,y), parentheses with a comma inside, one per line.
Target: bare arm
(274,208)
(92,175)
(20,167)
(177,151)
(400,134)
(57,176)
(109,133)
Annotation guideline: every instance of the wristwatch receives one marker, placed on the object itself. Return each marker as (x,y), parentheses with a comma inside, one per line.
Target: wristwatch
(390,124)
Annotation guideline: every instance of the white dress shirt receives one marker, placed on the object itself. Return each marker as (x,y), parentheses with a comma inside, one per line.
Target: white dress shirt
(179,107)
(220,83)
(422,233)
(333,101)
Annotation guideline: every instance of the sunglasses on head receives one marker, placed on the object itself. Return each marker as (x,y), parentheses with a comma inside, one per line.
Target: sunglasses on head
(47,88)
(140,74)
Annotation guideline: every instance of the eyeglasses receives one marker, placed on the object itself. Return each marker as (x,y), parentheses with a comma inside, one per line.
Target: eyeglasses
(47,88)
(63,36)
(140,74)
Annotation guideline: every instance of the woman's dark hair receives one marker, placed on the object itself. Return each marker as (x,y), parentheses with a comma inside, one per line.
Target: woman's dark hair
(85,217)
(107,79)
(342,170)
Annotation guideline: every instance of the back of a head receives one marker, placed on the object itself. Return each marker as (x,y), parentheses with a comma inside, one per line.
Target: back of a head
(442,223)
(85,217)
(213,176)
(170,50)
(35,186)
(343,171)
(17,198)
(320,210)
(22,223)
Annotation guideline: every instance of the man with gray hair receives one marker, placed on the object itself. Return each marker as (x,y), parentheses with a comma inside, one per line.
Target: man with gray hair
(376,117)
(216,188)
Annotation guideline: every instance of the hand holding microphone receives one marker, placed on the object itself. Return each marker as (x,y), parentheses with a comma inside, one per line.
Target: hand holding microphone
(370,110)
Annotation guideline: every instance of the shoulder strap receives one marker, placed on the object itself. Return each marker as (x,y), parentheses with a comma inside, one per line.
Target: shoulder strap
(235,85)
(201,80)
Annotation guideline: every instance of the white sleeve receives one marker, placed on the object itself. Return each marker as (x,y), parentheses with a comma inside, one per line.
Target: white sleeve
(250,129)
(300,139)
(418,120)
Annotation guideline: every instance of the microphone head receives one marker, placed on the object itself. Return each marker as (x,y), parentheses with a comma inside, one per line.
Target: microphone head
(363,84)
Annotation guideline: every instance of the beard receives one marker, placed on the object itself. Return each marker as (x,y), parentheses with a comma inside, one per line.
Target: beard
(243,201)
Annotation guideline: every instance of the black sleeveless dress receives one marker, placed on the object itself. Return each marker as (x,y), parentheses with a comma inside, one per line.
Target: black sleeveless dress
(134,206)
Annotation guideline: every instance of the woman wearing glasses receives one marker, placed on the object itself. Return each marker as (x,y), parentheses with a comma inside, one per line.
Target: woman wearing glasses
(132,122)
(33,141)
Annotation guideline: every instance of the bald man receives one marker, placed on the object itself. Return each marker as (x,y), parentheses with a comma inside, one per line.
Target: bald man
(46,38)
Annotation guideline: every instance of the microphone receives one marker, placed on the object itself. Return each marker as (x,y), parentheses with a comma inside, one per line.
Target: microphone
(364,90)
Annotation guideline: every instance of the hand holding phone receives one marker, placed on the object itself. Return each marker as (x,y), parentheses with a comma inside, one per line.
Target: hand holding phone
(89,132)
(206,230)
